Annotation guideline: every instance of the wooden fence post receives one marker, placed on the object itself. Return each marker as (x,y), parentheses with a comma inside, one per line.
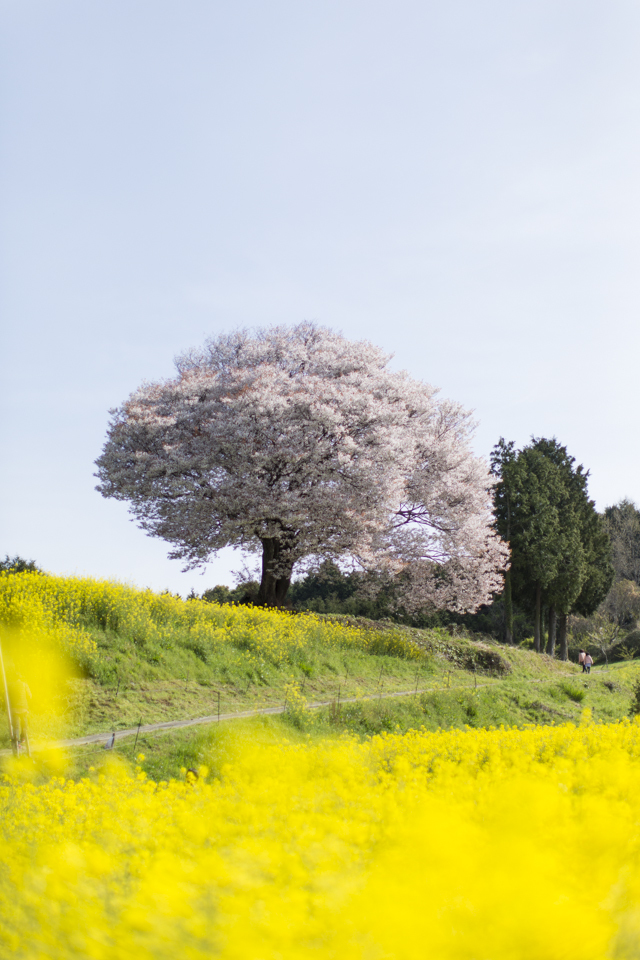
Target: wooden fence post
(7,702)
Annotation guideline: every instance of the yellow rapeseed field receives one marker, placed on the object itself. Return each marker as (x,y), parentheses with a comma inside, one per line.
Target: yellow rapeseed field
(65,609)
(473,845)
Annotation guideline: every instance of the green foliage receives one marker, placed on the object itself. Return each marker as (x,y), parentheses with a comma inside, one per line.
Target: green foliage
(491,620)
(622,523)
(634,707)
(599,574)
(244,593)
(574,692)
(559,546)
(329,590)
(622,604)
(626,648)
(18,565)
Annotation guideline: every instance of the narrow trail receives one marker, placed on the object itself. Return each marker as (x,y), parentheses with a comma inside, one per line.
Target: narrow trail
(103,738)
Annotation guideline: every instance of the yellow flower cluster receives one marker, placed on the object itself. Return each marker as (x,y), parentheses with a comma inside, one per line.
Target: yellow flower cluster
(67,606)
(35,603)
(461,845)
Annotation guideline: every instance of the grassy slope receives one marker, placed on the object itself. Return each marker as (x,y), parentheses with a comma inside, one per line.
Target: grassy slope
(184,685)
(154,675)
(535,690)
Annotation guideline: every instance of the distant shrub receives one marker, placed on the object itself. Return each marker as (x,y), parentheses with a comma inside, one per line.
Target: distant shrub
(18,565)
(575,693)
(634,707)
(627,648)
(244,593)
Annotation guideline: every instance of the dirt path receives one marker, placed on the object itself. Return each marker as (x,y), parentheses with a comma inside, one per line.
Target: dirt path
(103,738)
(214,718)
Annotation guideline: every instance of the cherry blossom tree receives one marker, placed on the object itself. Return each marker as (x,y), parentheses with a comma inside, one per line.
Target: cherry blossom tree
(302,445)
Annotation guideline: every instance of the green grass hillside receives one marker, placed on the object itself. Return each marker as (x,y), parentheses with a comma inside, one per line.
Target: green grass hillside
(136,656)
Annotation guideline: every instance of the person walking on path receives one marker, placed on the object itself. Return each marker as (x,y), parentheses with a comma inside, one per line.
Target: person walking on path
(588,660)
(581,658)
(20,696)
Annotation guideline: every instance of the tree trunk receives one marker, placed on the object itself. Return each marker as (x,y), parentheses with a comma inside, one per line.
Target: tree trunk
(562,636)
(551,643)
(537,618)
(274,584)
(508,608)
(508,599)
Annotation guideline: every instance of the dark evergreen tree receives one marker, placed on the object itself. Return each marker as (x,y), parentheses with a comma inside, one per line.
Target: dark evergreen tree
(502,459)
(559,549)
(537,546)
(586,573)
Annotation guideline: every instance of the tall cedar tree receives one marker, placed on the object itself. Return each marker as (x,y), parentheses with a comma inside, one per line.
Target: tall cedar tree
(560,552)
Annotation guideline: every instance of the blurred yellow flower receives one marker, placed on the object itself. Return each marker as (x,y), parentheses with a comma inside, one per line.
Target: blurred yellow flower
(495,844)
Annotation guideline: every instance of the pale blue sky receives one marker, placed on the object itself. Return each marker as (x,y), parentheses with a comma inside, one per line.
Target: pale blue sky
(457,182)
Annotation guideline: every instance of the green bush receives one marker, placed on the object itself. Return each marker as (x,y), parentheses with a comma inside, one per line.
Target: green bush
(577,694)
(634,707)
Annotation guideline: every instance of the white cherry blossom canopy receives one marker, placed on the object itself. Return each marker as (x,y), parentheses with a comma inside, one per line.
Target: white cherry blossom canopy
(301,444)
